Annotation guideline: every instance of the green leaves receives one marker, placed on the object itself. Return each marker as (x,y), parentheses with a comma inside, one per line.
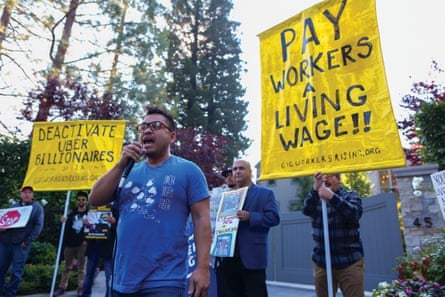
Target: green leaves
(430,128)
(14,156)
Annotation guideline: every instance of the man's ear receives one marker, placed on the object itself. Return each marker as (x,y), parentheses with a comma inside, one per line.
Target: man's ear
(172,137)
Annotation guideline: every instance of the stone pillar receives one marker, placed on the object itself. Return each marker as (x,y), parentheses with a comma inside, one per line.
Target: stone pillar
(421,215)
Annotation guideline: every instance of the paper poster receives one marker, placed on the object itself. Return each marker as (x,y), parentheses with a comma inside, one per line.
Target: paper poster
(15,217)
(72,155)
(98,226)
(438,180)
(226,224)
(325,98)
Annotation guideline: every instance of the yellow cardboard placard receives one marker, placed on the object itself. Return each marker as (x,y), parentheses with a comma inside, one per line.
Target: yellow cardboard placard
(72,155)
(325,100)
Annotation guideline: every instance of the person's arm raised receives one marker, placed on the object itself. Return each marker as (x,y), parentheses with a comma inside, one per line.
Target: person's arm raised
(102,191)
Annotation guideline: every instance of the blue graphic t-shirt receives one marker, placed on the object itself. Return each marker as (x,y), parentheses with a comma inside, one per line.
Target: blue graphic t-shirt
(154,204)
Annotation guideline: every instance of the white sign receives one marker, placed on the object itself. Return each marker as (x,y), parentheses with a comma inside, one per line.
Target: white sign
(226,225)
(438,180)
(15,217)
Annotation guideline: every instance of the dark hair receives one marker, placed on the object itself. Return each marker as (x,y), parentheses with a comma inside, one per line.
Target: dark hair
(151,109)
(82,194)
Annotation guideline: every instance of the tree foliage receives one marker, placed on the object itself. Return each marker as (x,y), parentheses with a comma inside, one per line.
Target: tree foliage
(424,92)
(107,59)
(70,100)
(205,67)
(208,151)
(304,186)
(430,124)
(357,181)
(14,155)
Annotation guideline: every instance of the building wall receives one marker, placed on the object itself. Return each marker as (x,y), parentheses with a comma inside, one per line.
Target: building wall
(421,217)
(285,191)
(420,211)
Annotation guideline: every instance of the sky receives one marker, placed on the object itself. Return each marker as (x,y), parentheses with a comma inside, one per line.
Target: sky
(411,35)
(410,32)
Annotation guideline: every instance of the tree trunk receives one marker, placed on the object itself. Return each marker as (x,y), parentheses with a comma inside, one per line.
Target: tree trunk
(47,101)
(4,21)
(117,50)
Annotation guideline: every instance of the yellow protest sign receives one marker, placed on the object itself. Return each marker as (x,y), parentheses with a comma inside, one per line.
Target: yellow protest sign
(325,100)
(72,155)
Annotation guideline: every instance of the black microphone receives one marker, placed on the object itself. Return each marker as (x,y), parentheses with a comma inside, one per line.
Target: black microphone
(126,173)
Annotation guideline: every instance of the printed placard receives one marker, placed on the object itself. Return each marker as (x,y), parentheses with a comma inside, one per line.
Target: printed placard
(438,180)
(325,99)
(15,217)
(226,224)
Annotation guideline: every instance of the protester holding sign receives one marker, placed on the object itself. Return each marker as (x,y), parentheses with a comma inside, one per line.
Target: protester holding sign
(101,248)
(154,202)
(344,210)
(15,243)
(245,273)
(227,186)
(74,244)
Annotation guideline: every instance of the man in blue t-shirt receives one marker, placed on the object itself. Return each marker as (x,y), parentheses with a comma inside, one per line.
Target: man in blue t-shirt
(154,202)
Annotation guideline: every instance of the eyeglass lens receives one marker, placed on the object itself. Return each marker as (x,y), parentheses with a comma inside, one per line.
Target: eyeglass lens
(154,126)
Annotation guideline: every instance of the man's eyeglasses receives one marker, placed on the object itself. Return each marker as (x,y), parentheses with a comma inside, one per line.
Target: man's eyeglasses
(153,126)
(82,200)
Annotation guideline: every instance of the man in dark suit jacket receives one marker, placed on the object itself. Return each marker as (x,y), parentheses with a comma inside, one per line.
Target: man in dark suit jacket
(245,273)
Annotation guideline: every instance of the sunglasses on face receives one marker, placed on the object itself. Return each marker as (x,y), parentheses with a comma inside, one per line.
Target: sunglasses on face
(153,126)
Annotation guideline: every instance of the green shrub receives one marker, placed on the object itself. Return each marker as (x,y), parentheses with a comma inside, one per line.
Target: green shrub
(39,270)
(36,279)
(426,262)
(42,253)
(409,288)
(420,273)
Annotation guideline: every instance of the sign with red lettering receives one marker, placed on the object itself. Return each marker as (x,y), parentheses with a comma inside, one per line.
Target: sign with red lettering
(15,217)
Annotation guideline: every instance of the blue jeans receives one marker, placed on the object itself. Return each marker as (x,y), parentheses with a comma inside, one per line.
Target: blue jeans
(154,292)
(92,262)
(13,257)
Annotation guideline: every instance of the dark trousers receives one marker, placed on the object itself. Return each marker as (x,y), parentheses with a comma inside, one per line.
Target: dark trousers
(12,257)
(95,251)
(242,282)
(219,278)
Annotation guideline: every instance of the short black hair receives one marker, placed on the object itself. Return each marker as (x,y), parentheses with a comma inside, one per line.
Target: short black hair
(227,171)
(152,109)
(82,194)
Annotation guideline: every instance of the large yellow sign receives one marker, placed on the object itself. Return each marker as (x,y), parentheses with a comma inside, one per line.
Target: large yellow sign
(72,155)
(325,100)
